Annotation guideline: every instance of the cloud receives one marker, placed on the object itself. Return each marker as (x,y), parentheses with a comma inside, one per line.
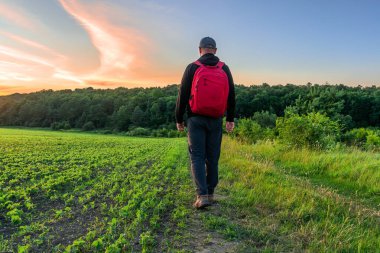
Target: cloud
(66,75)
(37,47)
(115,84)
(15,15)
(121,49)
(107,84)
(33,62)
(22,56)
(19,65)
(15,76)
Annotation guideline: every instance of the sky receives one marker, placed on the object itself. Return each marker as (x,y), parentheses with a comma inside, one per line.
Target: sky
(69,44)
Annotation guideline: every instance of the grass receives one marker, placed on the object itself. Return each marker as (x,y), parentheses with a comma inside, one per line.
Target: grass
(271,207)
(79,192)
(350,172)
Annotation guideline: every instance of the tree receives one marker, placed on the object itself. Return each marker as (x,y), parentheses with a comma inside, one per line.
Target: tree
(121,119)
(138,116)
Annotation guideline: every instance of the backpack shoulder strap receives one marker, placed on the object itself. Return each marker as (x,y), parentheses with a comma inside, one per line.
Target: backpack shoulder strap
(198,63)
(220,64)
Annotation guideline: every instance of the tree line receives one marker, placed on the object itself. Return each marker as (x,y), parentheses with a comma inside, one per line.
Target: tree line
(124,109)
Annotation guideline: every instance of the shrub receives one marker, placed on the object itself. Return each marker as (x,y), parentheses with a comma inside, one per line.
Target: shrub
(66,125)
(355,137)
(313,130)
(163,132)
(362,138)
(88,126)
(139,131)
(265,119)
(373,140)
(173,133)
(250,131)
(55,126)
(60,125)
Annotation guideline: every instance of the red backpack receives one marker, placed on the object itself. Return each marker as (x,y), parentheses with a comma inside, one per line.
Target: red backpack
(209,90)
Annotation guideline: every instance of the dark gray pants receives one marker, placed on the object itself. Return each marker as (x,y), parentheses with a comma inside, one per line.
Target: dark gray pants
(204,137)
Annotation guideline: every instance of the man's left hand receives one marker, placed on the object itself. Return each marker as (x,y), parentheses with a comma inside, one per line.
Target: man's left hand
(181,127)
(230,126)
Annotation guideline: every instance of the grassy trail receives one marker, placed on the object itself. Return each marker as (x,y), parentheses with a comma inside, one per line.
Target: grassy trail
(268,207)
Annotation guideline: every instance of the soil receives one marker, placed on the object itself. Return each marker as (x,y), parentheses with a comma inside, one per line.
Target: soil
(205,240)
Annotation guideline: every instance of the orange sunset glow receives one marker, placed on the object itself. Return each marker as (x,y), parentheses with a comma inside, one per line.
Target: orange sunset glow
(120,57)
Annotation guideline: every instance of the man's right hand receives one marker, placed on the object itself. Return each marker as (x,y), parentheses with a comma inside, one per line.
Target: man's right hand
(181,126)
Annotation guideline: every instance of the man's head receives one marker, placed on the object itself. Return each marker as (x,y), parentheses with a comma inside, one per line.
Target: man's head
(207,45)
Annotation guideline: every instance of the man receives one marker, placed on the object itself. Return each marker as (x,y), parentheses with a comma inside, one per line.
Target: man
(205,116)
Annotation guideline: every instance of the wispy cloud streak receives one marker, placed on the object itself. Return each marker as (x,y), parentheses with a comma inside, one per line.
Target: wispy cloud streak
(121,49)
(15,15)
(34,45)
(20,65)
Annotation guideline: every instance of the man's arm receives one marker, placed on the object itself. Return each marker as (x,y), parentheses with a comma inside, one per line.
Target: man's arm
(183,95)
(231,96)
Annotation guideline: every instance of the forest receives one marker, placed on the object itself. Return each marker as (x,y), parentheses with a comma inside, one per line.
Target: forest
(124,109)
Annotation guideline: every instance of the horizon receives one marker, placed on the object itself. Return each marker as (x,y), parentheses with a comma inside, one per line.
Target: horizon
(165,86)
(66,44)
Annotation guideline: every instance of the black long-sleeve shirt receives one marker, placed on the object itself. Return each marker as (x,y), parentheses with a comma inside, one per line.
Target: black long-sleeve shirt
(185,89)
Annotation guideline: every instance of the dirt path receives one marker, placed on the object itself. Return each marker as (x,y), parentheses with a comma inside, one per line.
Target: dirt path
(205,240)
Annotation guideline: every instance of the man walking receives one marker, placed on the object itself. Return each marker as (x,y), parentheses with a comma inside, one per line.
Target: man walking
(206,93)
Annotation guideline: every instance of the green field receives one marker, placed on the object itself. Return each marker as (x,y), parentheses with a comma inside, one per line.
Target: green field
(80,192)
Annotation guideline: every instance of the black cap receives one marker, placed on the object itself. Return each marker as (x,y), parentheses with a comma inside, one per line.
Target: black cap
(207,42)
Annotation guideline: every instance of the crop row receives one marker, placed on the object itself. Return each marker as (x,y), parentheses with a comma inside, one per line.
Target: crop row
(85,193)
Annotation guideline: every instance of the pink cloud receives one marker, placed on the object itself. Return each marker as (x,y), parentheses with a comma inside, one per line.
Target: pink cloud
(106,84)
(115,84)
(15,15)
(34,67)
(22,56)
(15,63)
(34,45)
(122,50)
(19,65)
